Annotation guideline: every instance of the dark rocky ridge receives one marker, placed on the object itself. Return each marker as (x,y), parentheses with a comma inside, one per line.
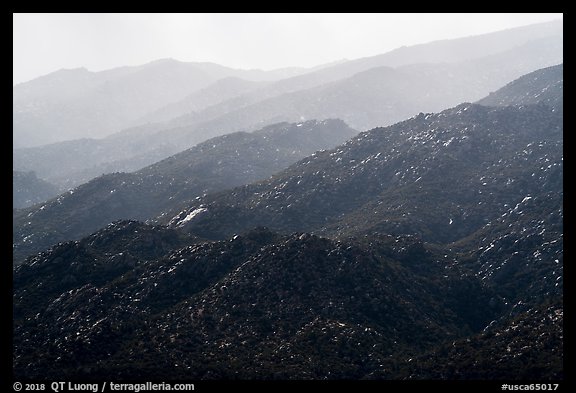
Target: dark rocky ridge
(257,306)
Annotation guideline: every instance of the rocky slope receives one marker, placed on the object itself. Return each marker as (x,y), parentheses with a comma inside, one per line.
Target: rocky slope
(257,306)
(220,163)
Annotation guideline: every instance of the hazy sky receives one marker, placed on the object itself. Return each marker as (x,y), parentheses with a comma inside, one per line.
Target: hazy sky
(43,43)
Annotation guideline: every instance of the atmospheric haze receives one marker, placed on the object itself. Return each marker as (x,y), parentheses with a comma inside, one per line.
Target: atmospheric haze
(44,43)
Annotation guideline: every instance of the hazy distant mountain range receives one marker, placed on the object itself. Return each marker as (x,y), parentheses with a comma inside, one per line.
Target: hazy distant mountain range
(77,103)
(365,93)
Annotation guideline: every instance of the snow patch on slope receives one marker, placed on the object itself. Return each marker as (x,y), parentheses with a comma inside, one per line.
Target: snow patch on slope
(178,222)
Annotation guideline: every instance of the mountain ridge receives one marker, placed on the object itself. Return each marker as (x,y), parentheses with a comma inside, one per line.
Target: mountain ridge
(189,324)
(28,189)
(377,97)
(290,100)
(217,164)
(349,166)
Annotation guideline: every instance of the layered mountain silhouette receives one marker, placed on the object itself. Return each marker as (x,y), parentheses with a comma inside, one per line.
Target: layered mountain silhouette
(365,93)
(217,164)
(388,94)
(427,249)
(486,180)
(77,103)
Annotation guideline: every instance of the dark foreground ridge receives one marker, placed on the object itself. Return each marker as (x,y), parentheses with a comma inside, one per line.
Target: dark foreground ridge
(262,305)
